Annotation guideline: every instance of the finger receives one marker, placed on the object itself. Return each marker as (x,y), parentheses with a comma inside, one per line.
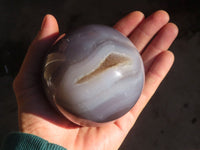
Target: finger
(148,28)
(127,24)
(158,70)
(46,36)
(161,42)
(155,75)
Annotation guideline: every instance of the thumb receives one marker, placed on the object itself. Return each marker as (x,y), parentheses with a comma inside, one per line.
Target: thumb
(38,48)
(31,68)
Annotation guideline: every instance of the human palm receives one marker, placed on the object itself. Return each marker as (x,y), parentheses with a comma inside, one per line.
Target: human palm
(152,37)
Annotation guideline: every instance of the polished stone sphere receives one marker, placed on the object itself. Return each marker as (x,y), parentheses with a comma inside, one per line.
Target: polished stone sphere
(93,75)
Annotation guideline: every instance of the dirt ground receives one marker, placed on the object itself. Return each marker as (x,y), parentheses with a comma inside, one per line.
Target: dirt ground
(171,120)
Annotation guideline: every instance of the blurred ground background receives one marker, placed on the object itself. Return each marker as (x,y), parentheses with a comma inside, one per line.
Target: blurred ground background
(171,120)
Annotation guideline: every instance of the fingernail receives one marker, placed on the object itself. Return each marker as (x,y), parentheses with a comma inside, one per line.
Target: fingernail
(44,22)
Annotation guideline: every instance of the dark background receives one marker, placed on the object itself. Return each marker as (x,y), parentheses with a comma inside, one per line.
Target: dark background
(171,120)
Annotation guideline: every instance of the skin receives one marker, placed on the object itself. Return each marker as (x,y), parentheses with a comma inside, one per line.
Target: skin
(152,36)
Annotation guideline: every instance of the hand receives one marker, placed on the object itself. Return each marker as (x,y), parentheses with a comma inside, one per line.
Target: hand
(152,37)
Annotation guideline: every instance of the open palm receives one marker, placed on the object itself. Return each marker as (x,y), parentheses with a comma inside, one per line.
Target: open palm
(152,37)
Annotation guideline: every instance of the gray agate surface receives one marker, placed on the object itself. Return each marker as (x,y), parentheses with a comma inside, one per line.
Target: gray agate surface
(93,75)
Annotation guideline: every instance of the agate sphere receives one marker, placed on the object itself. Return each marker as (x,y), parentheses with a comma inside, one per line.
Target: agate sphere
(93,75)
